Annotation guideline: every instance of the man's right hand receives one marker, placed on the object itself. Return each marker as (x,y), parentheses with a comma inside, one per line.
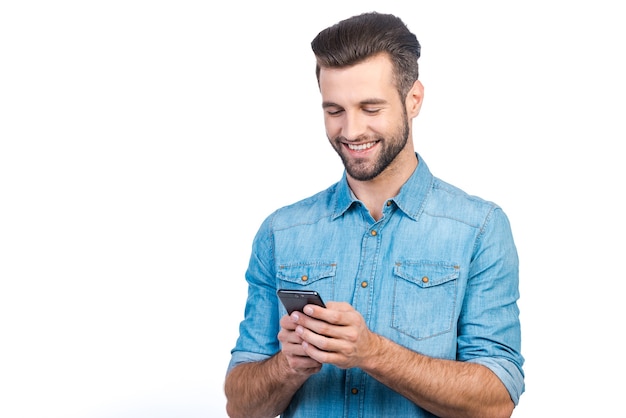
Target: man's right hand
(292,348)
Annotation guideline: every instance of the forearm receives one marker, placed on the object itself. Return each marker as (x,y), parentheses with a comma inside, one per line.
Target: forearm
(261,389)
(446,388)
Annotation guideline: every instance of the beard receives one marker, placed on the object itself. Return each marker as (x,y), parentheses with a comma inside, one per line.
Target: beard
(363,169)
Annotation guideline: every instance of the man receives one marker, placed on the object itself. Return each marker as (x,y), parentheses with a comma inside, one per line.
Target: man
(420,279)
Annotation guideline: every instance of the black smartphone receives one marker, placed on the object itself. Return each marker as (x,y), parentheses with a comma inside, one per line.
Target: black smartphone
(294,300)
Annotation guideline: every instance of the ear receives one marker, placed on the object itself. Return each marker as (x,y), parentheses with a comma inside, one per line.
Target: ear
(414,99)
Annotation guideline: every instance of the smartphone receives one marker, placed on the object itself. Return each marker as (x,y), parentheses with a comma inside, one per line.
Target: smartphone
(294,300)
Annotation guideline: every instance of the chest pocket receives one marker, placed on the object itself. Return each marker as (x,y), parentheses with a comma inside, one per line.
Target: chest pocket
(424,298)
(315,276)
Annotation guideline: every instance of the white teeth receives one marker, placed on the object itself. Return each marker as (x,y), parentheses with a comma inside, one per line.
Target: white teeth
(361,146)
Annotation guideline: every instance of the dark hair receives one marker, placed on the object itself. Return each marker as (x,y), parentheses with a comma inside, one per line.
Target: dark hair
(353,40)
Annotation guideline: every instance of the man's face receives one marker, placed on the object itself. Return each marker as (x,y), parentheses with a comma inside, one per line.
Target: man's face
(366,120)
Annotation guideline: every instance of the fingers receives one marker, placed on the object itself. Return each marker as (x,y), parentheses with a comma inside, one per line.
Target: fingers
(291,347)
(330,322)
(336,334)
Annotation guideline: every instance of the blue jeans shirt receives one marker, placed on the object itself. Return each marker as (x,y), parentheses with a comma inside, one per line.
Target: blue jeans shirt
(438,274)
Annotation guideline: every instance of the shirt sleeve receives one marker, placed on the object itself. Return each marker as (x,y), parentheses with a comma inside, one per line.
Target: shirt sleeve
(258,330)
(489,326)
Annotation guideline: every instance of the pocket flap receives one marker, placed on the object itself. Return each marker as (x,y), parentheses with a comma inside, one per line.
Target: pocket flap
(304,274)
(426,273)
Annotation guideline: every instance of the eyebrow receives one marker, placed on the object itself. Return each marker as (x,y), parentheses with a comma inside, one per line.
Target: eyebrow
(372,101)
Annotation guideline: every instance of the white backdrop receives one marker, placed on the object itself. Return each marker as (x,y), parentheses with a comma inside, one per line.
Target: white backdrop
(143,142)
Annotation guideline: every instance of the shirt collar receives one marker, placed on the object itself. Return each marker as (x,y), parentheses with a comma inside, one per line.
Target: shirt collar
(411,198)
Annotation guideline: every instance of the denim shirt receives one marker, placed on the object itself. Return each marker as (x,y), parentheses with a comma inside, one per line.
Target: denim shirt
(438,274)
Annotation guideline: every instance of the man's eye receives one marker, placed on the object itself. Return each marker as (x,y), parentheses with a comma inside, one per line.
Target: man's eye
(371,110)
(334,112)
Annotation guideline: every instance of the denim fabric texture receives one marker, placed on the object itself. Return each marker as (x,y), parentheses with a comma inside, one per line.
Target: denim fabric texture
(438,274)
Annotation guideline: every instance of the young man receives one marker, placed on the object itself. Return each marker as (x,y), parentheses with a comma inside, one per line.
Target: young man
(420,279)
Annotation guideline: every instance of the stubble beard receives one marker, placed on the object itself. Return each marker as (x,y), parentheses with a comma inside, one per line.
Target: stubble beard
(361,168)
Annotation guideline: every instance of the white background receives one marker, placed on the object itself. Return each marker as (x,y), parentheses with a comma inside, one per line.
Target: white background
(143,142)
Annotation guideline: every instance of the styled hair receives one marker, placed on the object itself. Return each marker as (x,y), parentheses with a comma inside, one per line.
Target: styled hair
(353,40)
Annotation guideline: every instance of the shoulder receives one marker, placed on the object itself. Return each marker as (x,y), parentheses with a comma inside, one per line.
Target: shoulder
(308,210)
(449,201)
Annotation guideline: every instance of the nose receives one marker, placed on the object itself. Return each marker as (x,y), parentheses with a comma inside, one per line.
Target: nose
(354,126)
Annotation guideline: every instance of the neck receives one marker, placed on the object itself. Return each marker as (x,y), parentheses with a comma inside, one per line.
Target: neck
(374,193)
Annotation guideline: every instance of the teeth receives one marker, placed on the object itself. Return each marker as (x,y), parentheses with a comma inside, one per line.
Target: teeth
(361,146)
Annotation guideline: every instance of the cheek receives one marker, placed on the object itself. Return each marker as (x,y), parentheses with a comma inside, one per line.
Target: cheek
(380,127)
(333,127)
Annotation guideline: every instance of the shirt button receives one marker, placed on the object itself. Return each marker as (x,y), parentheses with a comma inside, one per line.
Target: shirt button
(424,279)
(389,203)
(305,278)
(373,233)
(363,284)
(354,391)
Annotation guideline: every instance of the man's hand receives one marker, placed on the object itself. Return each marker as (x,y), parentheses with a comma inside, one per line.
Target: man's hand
(336,334)
(292,347)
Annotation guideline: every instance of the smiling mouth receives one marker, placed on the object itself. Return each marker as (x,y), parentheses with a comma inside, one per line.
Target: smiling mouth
(361,147)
